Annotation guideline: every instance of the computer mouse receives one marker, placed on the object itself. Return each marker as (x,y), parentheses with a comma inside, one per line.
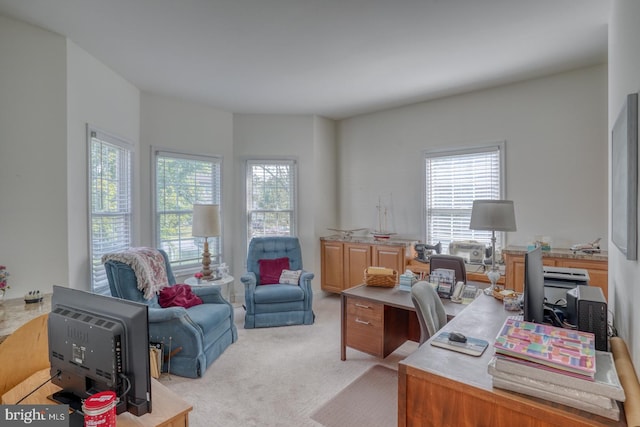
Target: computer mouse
(457,337)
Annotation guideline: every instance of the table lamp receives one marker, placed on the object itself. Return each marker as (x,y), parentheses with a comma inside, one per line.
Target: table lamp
(493,215)
(206,223)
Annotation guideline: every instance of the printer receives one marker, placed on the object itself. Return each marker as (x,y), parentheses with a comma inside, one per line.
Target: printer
(558,280)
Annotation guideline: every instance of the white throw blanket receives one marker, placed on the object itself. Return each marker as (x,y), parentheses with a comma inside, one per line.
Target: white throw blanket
(147,264)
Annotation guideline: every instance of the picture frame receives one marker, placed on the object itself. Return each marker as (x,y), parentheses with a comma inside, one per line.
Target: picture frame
(624,179)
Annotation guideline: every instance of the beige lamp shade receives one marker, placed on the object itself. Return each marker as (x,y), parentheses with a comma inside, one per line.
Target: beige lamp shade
(206,220)
(493,215)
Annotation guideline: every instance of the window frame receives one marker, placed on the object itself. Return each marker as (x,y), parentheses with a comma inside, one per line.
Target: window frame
(499,146)
(248,164)
(216,246)
(129,149)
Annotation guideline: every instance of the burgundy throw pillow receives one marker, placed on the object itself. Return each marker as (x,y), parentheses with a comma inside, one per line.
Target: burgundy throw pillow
(271,269)
(178,296)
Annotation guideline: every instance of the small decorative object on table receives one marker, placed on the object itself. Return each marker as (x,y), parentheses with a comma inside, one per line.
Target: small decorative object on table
(33,297)
(407,280)
(198,277)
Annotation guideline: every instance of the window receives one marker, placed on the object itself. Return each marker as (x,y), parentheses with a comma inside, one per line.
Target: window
(110,201)
(271,198)
(453,179)
(181,180)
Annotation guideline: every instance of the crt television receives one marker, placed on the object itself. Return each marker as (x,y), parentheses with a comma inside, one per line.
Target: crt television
(533,299)
(99,343)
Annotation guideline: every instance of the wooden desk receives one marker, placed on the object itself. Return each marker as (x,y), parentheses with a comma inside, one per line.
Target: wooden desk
(168,409)
(378,320)
(439,387)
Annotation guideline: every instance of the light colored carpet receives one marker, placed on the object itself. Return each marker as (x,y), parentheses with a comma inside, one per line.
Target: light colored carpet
(371,400)
(278,376)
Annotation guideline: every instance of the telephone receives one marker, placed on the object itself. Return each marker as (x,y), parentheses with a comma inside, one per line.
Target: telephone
(457,292)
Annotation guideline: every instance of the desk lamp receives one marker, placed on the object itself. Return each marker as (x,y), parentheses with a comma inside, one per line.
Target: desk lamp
(493,215)
(206,223)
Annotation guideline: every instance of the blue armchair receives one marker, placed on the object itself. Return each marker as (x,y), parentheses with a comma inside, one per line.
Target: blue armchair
(276,304)
(193,337)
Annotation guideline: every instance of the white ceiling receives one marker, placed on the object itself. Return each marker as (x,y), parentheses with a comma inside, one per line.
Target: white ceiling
(334,58)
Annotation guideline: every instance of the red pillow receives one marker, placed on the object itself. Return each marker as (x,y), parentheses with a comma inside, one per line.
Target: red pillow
(178,296)
(271,269)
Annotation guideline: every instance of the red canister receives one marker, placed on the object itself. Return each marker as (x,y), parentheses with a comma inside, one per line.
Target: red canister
(100,410)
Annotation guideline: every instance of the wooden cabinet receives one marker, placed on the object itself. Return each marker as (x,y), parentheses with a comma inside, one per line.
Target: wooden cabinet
(343,262)
(389,257)
(331,266)
(364,330)
(357,257)
(596,264)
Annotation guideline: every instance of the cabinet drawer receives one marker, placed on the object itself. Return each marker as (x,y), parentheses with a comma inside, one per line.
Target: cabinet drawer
(365,310)
(364,328)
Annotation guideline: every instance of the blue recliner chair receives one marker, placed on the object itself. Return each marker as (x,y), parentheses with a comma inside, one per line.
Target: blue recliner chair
(276,304)
(193,337)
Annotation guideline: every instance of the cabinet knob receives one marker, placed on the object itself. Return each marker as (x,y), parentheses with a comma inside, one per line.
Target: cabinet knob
(362,321)
(362,305)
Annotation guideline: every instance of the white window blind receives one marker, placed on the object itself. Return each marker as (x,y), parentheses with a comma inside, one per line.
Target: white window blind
(182,180)
(271,198)
(453,179)
(110,201)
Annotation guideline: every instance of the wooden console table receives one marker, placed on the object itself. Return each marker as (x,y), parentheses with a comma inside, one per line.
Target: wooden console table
(439,387)
(168,409)
(473,271)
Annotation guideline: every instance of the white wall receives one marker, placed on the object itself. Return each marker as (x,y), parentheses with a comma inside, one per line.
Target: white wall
(555,130)
(171,123)
(97,96)
(307,139)
(624,78)
(33,162)
(325,188)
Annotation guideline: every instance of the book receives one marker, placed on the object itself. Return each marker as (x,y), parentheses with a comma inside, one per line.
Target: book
(473,346)
(605,382)
(564,349)
(613,412)
(560,390)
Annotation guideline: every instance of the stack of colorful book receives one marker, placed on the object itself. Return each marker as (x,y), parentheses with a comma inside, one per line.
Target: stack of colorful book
(556,364)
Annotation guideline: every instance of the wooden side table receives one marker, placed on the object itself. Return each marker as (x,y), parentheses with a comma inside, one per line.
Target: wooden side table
(168,409)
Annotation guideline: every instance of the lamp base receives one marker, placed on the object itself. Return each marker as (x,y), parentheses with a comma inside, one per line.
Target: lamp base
(207,274)
(493,276)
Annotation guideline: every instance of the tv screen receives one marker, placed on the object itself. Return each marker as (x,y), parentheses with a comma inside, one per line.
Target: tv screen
(99,343)
(533,286)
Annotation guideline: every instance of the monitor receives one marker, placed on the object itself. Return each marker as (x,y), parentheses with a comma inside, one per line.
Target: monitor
(533,298)
(99,343)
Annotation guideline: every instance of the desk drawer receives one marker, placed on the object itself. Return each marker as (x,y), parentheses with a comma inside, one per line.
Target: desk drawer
(364,328)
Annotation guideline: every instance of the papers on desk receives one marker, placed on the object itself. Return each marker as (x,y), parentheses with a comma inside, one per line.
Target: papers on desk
(556,364)
(579,398)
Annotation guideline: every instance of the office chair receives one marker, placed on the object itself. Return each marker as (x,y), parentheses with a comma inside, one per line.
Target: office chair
(450,262)
(429,309)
